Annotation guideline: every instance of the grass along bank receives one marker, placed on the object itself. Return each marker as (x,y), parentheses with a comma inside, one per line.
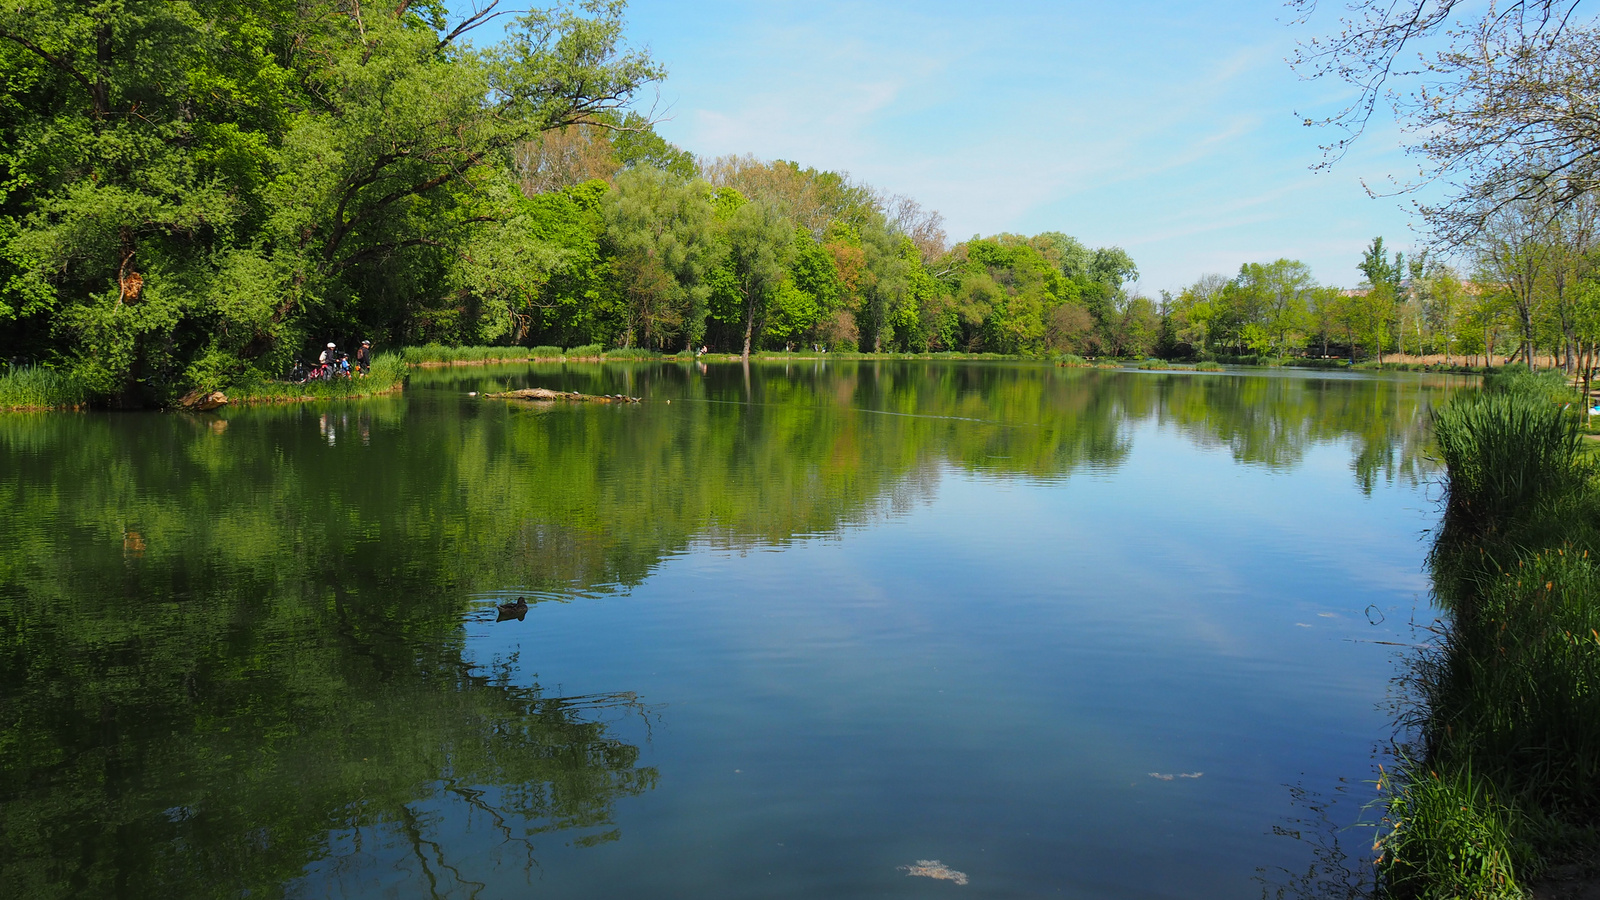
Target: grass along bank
(1503,783)
(430,355)
(387,376)
(37,387)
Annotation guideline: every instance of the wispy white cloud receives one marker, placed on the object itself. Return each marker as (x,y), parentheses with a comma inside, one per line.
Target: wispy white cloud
(1170,129)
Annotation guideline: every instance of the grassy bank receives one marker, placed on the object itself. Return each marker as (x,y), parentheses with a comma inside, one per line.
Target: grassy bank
(440,355)
(1504,779)
(36,387)
(387,376)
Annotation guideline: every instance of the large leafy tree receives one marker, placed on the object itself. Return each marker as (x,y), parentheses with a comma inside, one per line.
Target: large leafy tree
(660,227)
(194,187)
(760,242)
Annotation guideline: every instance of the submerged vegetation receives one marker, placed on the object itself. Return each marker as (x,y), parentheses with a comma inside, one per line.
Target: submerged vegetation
(1505,779)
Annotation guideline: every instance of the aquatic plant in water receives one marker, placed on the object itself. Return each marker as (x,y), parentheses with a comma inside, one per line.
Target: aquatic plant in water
(932,868)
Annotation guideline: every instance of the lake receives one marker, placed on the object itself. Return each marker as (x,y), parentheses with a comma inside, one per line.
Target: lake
(790,631)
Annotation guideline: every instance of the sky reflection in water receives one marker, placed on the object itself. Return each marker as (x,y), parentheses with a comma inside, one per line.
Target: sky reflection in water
(788,634)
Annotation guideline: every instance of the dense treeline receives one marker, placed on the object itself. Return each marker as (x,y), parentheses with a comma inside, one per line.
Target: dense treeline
(197,192)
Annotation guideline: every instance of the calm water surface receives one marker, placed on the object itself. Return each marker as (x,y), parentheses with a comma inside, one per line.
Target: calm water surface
(1072,633)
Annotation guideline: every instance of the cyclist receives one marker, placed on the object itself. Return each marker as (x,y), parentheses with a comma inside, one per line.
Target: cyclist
(364,357)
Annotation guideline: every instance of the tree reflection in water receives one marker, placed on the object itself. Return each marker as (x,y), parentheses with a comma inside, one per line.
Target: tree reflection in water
(233,649)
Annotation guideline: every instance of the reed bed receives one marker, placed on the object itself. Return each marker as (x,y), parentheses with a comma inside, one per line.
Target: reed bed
(1505,778)
(1508,449)
(37,387)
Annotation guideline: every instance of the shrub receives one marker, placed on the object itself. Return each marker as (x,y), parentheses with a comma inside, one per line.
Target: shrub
(586,351)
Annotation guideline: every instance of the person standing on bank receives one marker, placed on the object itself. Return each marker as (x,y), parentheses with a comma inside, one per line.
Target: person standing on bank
(364,357)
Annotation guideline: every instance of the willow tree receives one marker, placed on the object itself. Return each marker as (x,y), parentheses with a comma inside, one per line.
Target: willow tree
(660,227)
(760,240)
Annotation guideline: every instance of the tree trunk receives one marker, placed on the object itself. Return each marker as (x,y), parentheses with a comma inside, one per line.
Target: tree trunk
(749,326)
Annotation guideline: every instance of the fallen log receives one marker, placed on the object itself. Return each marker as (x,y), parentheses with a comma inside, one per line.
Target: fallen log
(547,395)
(202,401)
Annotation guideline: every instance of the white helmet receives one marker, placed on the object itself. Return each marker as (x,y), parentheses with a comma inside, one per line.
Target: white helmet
(330,345)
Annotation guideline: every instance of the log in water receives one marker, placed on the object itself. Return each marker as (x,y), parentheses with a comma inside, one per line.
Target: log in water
(547,395)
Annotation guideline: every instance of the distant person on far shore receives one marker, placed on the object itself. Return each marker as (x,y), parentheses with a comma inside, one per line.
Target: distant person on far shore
(364,357)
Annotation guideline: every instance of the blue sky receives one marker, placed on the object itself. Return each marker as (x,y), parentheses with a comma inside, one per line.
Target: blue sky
(1171,129)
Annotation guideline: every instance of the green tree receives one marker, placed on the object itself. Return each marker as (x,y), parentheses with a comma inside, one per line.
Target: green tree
(759,243)
(218,181)
(661,229)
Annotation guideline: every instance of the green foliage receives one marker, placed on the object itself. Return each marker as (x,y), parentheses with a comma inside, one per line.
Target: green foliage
(438,353)
(586,351)
(1379,270)
(760,243)
(37,387)
(201,191)
(1507,451)
(638,146)
(1451,841)
(1549,384)
(1516,686)
(1509,694)
(197,187)
(387,375)
(660,229)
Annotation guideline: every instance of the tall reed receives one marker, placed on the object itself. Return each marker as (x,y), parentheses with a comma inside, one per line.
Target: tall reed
(1452,840)
(1508,775)
(37,387)
(1507,451)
